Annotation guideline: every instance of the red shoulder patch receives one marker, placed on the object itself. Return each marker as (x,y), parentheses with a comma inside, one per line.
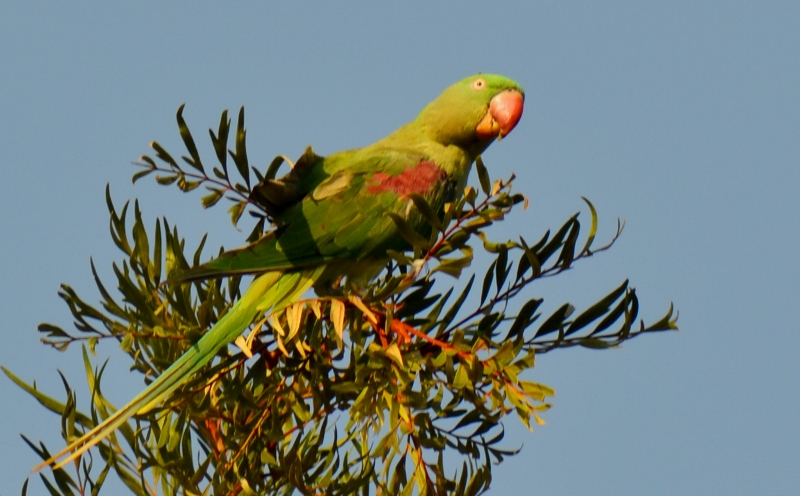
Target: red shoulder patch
(418,179)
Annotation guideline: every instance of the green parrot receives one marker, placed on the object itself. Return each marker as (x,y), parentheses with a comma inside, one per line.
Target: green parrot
(331,221)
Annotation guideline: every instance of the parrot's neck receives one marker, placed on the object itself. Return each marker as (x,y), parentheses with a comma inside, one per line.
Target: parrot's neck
(454,159)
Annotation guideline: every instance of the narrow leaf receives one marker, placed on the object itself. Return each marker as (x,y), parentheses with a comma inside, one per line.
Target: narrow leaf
(595,311)
(483,176)
(407,232)
(276,163)
(141,174)
(427,211)
(220,142)
(555,321)
(163,154)
(587,247)
(523,319)
(212,198)
(240,156)
(337,317)
(188,141)
(236,210)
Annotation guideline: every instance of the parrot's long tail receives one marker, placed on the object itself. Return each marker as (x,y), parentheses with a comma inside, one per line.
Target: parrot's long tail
(272,290)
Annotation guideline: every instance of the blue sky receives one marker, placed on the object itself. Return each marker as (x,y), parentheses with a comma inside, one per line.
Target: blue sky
(681,117)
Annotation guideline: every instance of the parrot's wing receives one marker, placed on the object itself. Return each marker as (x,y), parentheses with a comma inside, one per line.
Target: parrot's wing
(343,219)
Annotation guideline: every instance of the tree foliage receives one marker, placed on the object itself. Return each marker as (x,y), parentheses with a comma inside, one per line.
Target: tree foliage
(339,394)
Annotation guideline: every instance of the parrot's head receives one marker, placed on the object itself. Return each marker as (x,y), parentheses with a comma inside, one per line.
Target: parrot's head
(474,112)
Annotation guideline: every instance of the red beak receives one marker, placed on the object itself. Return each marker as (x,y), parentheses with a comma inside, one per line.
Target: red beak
(505,110)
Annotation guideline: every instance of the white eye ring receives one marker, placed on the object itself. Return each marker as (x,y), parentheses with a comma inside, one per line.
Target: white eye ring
(479,84)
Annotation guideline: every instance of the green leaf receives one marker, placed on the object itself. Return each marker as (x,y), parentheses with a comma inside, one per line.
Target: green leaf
(612,316)
(185,185)
(536,390)
(417,301)
(163,154)
(220,142)
(276,163)
(594,343)
(595,311)
(389,288)
(150,163)
(50,488)
(141,174)
(593,231)
(141,246)
(555,242)
(240,155)
(505,354)
(155,268)
(258,230)
(470,195)
(186,135)
(501,268)
(495,247)
(666,323)
(52,331)
(527,261)
(487,282)
(399,257)
(133,483)
(427,212)
(461,380)
(408,233)
(212,198)
(523,319)
(453,311)
(471,417)
(483,176)
(555,321)
(236,211)
(346,387)
(454,266)
(567,254)
(46,401)
(166,180)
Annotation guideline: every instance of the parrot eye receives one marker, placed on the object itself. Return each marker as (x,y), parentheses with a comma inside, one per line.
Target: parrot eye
(479,84)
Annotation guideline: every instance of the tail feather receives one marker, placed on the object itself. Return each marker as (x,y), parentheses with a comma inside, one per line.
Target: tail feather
(273,290)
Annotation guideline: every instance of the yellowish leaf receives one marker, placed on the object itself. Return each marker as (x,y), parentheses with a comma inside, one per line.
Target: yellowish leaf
(393,352)
(294,317)
(273,321)
(299,345)
(279,342)
(254,333)
(314,306)
(366,311)
(403,412)
(470,194)
(497,186)
(241,342)
(337,316)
